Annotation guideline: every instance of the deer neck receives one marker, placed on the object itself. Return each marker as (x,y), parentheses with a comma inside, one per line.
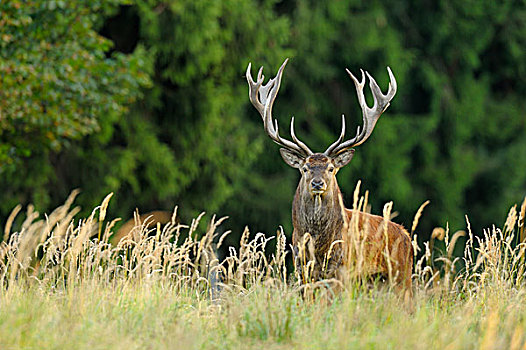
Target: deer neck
(322,218)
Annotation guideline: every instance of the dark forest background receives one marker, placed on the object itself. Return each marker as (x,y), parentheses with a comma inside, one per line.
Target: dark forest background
(147,99)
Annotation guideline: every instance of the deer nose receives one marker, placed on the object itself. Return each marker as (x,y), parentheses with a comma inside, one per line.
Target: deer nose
(317,184)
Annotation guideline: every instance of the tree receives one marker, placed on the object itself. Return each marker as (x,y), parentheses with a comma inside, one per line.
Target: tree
(189,141)
(453,134)
(57,86)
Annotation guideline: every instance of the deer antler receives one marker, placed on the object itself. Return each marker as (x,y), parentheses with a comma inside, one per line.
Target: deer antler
(262,98)
(370,115)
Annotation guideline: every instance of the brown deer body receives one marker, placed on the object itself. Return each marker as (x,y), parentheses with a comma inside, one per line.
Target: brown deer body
(150,219)
(344,241)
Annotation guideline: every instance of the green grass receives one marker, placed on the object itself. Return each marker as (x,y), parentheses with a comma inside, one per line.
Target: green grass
(150,315)
(149,293)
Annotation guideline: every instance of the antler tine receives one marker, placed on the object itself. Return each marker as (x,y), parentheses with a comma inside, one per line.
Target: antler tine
(336,146)
(370,115)
(262,98)
(359,87)
(296,140)
(339,140)
(253,88)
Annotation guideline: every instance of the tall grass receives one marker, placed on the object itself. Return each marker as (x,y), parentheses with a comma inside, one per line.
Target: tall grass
(63,285)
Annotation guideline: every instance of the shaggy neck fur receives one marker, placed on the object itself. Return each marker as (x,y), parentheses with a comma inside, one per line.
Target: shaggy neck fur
(323,220)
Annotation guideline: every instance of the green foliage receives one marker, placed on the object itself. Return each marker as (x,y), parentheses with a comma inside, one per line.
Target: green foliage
(453,134)
(456,123)
(189,142)
(56,79)
(59,84)
(472,76)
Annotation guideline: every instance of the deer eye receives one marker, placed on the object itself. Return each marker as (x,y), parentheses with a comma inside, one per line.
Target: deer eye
(305,169)
(331,169)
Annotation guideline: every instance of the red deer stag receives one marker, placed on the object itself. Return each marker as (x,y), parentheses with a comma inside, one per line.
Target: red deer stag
(318,208)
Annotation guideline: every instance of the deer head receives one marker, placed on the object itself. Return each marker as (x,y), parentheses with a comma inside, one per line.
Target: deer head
(318,170)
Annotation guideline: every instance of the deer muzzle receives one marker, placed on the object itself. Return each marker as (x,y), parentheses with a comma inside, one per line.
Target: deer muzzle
(318,186)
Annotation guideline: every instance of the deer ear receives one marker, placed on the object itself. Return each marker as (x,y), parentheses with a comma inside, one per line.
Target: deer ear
(343,158)
(291,158)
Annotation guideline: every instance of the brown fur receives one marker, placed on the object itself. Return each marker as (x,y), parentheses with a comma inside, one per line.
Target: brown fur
(154,217)
(366,245)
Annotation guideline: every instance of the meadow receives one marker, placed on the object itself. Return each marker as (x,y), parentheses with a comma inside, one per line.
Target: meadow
(64,286)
